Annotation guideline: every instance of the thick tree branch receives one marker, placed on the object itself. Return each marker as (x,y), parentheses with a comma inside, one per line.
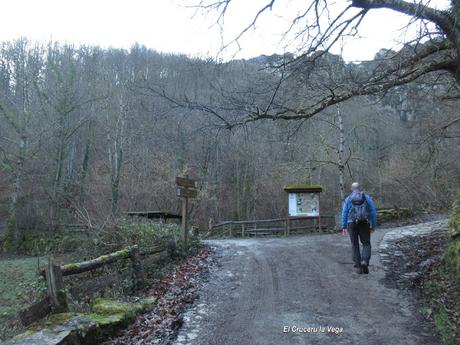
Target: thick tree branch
(417,10)
(369,88)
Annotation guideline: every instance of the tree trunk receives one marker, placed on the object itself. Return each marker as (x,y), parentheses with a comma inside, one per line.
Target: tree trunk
(116,158)
(56,192)
(340,158)
(85,165)
(13,234)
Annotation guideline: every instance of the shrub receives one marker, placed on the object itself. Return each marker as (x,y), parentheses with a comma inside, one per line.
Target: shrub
(450,262)
(44,244)
(147,234)
(144,233)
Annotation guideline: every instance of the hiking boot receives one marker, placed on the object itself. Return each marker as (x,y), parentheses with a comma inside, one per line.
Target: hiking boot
(365,267)
(359,269)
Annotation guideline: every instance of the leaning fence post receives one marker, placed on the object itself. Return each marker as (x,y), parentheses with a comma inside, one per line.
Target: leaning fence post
(55,287)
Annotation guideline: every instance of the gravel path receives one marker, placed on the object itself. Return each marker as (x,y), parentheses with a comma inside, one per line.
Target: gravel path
(300,290)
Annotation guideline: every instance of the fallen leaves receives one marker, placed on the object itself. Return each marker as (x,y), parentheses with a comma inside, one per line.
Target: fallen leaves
(173,293)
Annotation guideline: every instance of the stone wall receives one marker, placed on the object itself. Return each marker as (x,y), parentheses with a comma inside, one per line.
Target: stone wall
(407,252)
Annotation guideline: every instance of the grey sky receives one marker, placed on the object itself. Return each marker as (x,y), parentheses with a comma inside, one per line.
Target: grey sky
(168,26)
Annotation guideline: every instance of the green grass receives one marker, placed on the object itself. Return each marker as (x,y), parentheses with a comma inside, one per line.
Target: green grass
(445,327)
(20,286)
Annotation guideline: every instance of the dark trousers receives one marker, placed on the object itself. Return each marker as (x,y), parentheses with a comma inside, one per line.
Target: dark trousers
(360,232)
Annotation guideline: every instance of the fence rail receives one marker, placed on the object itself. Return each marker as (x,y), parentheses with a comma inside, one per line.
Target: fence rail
(56,300)
(277,226)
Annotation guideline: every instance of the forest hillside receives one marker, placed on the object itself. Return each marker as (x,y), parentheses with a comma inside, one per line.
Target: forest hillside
(87,134)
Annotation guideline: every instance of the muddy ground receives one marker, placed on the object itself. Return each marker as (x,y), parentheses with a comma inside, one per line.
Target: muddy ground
(300,290)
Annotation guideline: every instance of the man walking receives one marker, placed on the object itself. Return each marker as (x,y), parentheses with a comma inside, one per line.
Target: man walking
(359,218)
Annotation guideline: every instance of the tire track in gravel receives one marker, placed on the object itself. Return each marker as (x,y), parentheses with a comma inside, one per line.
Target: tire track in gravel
(262,285)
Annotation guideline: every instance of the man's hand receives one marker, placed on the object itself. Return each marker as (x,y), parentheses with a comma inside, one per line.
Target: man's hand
(344,231)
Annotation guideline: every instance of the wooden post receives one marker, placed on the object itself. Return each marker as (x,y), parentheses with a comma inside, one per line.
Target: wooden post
(184,220)
(288,225)
(138,278)
(319,212)
(242,230)
(186,190)
(55,287)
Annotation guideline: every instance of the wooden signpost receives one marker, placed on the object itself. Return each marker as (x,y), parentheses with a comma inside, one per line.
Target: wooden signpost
(186,189)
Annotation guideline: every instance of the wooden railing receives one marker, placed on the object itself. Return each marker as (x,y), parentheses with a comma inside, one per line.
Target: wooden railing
(56,299)
(277,226)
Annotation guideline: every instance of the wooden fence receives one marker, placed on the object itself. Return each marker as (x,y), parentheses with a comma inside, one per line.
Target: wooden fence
(56,299)
(278,226)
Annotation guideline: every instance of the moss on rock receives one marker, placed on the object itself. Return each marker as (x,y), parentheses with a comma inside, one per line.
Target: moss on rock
(57,319)
(71,328)
(106,306)
(104,320)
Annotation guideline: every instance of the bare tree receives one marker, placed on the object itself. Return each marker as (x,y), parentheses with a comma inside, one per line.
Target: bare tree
(160,115)
(17,145)
(66,98)
(322,24)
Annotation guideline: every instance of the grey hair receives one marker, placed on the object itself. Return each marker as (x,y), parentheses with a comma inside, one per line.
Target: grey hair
(355,186)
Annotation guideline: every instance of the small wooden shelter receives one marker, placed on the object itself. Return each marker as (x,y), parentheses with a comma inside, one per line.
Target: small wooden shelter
(160,215)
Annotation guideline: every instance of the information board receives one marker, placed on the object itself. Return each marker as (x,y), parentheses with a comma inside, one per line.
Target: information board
(304,204)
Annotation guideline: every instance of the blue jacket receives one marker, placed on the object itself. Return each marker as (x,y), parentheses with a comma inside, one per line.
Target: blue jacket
(346,210)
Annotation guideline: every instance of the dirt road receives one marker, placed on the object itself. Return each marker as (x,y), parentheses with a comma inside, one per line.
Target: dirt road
(299,290)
